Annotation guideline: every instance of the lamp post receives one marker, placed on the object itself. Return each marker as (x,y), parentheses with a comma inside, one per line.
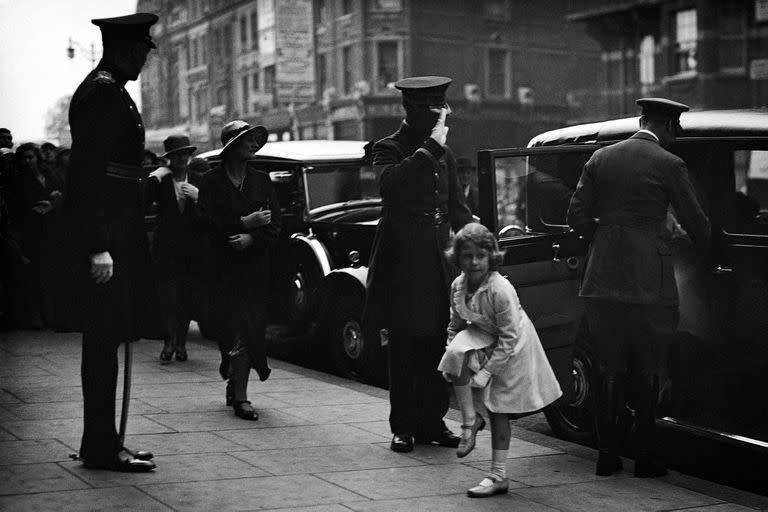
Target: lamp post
(89,52)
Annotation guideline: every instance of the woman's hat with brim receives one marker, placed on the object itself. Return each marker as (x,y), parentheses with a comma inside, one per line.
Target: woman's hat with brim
(176,143)
(235,130)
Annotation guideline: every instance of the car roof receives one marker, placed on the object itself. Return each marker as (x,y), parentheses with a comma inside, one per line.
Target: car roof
(306,150)
(705,124)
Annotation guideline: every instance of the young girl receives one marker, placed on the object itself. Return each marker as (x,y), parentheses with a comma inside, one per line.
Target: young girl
(493,345)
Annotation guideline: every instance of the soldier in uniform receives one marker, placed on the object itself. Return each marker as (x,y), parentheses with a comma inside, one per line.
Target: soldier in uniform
(629,286)
(410,278)
(108,233)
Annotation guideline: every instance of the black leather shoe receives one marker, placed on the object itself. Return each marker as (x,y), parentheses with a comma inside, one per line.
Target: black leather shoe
(402,443)
(445,438)
(122,462)
(139,454)
(181,354)
(245,410)
(166,354)
(607,463)
(264,374)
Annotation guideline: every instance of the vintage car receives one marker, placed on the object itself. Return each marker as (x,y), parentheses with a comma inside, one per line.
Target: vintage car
(716,364)
(329,199)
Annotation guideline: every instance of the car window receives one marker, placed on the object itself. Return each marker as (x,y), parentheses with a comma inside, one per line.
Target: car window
(330,184)
(748,211)
(533,191)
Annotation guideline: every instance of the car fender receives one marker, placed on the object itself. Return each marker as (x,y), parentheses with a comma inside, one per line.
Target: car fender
(316,247)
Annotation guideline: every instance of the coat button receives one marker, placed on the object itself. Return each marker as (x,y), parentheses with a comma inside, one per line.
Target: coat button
(131,107)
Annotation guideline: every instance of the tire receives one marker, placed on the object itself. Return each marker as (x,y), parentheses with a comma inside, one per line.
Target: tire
(352,355)
(300,289)
(574,420)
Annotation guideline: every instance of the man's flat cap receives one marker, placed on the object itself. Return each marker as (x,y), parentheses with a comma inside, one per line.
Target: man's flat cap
(133,27)
(424,90)
(661,107)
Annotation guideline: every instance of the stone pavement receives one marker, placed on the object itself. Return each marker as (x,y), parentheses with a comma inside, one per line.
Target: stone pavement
(321,444)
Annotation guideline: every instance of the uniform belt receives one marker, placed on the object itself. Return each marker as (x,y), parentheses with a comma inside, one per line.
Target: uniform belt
(434,217)
(633,222)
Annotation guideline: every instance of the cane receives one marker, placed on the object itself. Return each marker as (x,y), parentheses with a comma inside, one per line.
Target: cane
(126,389)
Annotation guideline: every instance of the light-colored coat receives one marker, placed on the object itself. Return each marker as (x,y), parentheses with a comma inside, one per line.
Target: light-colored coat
(522,379)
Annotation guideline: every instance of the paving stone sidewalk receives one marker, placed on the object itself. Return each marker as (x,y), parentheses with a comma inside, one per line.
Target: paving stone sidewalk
(321,444)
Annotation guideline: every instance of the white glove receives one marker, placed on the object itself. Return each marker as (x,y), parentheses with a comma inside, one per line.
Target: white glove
(160,173)
(480,379)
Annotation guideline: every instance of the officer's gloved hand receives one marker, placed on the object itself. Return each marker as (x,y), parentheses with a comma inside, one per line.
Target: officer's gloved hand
(480,379)
(160,173)
(440,131)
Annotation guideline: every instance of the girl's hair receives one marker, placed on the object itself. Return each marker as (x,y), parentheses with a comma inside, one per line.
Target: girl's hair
(481,237)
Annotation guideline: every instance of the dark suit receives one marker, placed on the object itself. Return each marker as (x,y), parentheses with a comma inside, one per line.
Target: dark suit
(241,277)
(106,127)
(409,278)
(629,283)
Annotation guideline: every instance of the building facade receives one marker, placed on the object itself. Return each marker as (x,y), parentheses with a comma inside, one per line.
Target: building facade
(325,69)
(220,60)
(706,53)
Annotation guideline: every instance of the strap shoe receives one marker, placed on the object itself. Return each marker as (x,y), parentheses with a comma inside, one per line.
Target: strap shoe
(467,444)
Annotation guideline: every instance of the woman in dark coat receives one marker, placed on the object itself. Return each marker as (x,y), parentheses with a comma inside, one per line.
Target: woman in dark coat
(176,243)
(36,200)
(241,209)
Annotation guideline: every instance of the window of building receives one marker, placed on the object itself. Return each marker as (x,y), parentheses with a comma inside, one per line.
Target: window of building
(269,83)
(347,6)
(245,92)
(255,82)
(346,67)
(221,95)
(216,43)
(322,12)
(685,40)
(498,72)
(193,51)
(496,9)
(386,5)
(203,49)
(254,30)
(647,58)
(243,33)
(322,71)
(732,48)
(388,65)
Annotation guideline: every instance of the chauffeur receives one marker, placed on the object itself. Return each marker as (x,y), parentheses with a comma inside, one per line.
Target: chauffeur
(108,234)
(629,286)
(410,278)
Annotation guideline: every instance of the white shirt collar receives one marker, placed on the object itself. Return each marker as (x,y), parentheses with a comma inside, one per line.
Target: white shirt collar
(649,132)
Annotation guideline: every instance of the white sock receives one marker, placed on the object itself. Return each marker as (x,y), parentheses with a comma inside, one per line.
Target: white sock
(499,464)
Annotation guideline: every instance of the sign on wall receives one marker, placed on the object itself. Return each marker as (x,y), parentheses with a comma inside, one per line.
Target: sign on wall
(294,53)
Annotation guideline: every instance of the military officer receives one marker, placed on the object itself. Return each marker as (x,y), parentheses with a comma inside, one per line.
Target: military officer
(409,279)
(108,232)
(629,286)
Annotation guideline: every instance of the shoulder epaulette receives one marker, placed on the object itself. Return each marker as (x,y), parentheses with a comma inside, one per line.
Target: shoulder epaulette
(103,77)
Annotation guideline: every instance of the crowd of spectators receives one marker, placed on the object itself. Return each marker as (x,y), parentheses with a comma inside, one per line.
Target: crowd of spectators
(33,238)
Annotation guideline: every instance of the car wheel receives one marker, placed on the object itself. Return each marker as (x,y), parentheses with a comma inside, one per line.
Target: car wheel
(302,284)
(574,420)
(352,354)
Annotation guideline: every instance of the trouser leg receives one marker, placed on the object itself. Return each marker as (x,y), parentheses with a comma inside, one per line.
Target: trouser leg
(99,380)
(434,395)
(403,388)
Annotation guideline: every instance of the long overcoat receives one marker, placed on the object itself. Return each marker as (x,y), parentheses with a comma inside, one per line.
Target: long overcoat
(409,276)
(107,128)
(494,321)
(629,186)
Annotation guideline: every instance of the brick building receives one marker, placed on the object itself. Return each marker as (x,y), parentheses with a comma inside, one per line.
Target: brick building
(706,53)
(325,68)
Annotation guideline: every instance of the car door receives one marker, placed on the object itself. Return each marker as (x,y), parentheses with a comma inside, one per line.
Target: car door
(524,198)
(719,358)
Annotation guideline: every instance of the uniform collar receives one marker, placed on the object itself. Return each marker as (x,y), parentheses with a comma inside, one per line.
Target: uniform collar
(107,66)
(649,132)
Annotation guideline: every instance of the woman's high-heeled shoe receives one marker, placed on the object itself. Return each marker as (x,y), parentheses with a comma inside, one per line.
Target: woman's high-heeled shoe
(166,354)
(467,444)
(245,410)
(181,354)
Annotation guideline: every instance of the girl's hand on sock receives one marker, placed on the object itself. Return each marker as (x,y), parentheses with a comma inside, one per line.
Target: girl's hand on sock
(480,379)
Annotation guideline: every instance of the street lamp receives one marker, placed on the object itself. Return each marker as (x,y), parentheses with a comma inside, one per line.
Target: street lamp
(89,52)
